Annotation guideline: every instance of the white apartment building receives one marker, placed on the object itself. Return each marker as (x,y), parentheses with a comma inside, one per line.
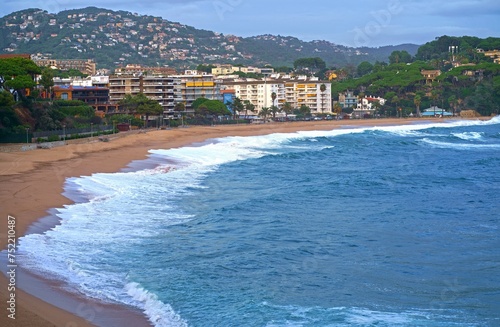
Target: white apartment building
(297,91)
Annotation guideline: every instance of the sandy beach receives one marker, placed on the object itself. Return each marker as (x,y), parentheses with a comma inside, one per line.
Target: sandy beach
(32,183)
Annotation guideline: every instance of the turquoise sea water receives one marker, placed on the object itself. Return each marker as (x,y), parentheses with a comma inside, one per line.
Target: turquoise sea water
(388,226)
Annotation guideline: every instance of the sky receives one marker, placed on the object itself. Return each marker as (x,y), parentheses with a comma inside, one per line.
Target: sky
(354,23)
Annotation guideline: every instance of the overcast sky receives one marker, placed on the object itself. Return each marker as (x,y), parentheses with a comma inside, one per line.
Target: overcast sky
(352,23)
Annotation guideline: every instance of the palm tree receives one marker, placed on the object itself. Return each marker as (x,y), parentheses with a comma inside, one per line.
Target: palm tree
(287,108)
(180,107)
(248,107)
(322,88)
(264,112)
(417,101)
(237,106)
(274,110)
(273,97)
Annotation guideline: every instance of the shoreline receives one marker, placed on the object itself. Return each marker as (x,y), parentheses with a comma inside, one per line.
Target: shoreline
(33,184)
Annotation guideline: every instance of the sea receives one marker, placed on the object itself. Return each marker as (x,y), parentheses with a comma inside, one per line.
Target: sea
(356,226)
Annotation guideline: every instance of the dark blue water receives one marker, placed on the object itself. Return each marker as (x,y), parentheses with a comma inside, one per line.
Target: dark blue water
(387,227)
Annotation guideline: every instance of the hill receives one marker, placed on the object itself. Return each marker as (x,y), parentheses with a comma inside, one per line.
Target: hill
(114,38)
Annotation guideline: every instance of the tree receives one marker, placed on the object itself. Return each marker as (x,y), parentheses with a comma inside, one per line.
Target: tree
(337,108)
(264,112)
(237,106)
(322,88)
(305,111)
(128,103)
(395,101)
(248,107)
(196,103)
(47,80)
(180,107)
(309,65)
(364,68)
(18,74)
(435,96)
(147,106)
(273,98)
(287,108)
(452,100)
(213,108)
(417,101)
(397,57)
(274,110)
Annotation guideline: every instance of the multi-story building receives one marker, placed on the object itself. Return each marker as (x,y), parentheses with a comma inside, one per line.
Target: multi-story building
(137,68)
(430,75)
(86,66)
(297,91)
(193,85)
(348,99)
(95,96)
(164,89)
(230,69)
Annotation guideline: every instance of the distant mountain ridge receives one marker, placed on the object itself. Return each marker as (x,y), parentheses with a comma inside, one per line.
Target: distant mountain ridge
(115,38)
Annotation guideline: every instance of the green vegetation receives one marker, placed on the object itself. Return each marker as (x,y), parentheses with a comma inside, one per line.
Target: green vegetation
(474,85)
(210,108)
(467,80)
(103,36)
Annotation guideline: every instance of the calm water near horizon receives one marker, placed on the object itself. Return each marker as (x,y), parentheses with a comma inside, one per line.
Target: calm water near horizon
(385,226)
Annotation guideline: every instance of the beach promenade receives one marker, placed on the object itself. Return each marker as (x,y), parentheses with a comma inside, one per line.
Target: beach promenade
(32,183)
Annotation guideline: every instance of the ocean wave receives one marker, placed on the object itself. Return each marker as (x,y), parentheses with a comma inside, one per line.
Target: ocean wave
(355,316)
(459,146)
(468,136)
(159,313)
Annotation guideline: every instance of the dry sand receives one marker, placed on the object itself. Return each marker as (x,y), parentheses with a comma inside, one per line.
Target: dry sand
(32,183)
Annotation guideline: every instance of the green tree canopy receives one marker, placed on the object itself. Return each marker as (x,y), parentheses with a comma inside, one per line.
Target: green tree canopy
(397,57)
(212,107)
(364,68)
(310,65)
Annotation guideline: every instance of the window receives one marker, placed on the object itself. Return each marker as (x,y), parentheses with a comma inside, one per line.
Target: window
(64,96)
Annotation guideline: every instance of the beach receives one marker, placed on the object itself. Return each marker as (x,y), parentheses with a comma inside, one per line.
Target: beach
(32,183)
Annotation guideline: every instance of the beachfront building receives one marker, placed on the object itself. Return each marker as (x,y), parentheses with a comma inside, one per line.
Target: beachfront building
(435,111)
(164,89)
(95,96)
(297,91)
(348,99)
(193,85)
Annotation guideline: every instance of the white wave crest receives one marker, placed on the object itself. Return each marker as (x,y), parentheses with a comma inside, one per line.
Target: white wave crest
(159,313)
(468,135)
(460,146)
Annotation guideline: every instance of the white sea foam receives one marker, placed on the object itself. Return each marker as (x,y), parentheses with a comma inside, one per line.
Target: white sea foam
(459,146)
(159,313)
(85,249)
(468,135)
(348,316)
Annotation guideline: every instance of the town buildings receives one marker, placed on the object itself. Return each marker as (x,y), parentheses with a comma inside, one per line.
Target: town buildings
(86,66)
(277,89)
(164,89)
